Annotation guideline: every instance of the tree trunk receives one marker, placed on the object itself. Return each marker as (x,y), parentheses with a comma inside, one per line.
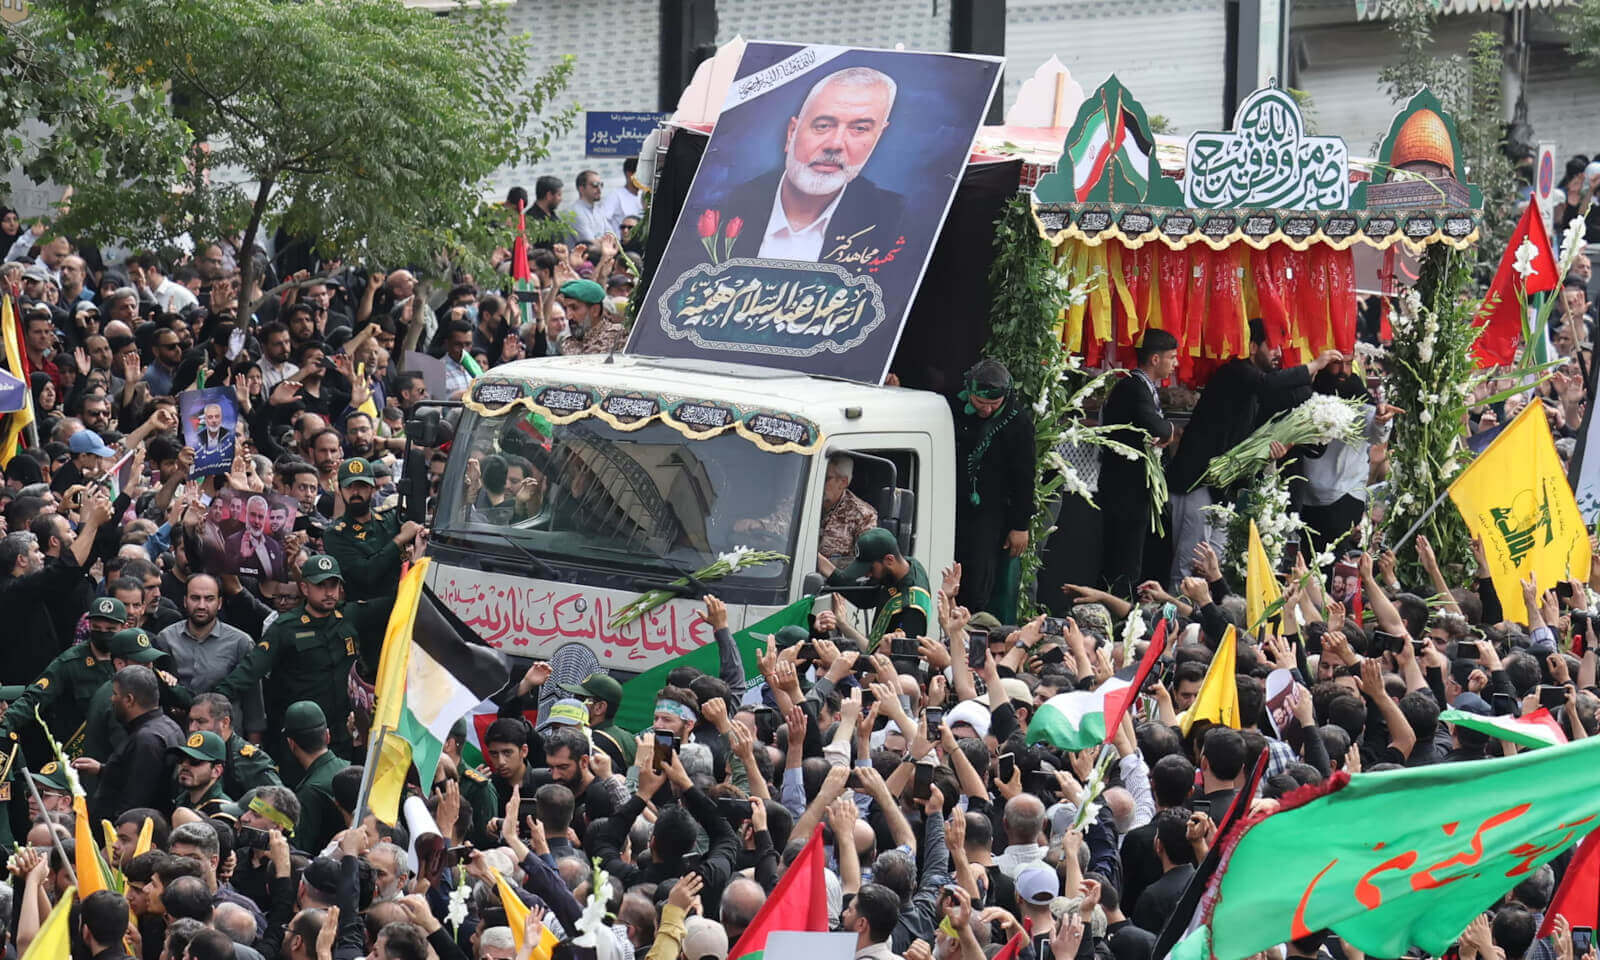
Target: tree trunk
(247,259)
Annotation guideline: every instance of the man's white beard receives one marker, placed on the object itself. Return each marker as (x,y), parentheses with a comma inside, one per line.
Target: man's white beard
(815,184)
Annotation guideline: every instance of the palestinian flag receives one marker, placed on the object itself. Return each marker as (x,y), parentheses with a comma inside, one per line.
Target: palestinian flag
(638,707)
(431,673)
(1537,729)
(1111,134)
(1076,720)
(798,903)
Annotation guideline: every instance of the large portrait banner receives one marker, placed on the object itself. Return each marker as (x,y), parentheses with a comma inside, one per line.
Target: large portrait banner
(815,208)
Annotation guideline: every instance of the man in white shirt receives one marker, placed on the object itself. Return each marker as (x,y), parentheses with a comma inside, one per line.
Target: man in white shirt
(592,217)
(169,295)
(627,202)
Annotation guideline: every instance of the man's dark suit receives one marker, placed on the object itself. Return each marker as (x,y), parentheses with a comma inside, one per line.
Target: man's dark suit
(1123,495)
(864,207)
(1230,408)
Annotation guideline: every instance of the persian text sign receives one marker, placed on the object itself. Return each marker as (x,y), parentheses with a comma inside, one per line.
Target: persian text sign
(1406,858)
(1267,160)
(526,617)
(610,133)
(788,310)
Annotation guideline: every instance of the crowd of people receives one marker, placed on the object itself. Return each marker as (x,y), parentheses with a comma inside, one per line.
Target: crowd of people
(216,716)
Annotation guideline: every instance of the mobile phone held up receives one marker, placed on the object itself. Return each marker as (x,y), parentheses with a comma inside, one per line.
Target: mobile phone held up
(666,743)
(922,782)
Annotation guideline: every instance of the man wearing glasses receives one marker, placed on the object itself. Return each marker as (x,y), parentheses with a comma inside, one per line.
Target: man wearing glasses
(166,353)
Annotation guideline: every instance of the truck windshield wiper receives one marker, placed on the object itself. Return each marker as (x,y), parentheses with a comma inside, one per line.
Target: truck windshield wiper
(540,567)
(694,588)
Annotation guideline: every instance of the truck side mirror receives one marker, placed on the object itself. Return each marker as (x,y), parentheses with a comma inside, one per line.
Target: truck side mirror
(428,429)
(906,520)
(813,584)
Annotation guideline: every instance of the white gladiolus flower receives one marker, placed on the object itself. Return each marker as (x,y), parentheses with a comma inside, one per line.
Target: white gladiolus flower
(1571,243)
(1523,264)
(456,911)
(593,919)
(1425,416)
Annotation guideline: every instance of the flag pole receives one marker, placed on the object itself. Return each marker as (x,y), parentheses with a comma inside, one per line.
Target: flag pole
(55,838)
(1422,519)
(373,750)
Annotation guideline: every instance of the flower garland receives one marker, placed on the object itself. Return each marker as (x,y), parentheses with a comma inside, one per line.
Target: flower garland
(1429,372)
(1266,501)
(1031,293)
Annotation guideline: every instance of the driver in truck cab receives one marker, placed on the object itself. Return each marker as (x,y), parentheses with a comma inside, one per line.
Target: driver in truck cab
(884,580)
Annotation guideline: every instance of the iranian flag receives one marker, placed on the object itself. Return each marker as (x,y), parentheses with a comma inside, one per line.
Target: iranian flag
(1537,729)
(432,672)
(1076,720)
(799,902)
(1400,860)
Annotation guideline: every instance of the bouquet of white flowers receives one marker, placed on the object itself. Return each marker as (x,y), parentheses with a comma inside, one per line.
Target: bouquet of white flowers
(1321,419)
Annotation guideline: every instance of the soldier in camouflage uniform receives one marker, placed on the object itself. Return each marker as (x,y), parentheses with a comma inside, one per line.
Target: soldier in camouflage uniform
(588,328)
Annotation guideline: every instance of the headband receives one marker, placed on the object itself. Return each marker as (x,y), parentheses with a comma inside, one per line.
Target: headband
(260,807)
(676,709)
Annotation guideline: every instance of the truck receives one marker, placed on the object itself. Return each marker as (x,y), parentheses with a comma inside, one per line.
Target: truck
(635,471)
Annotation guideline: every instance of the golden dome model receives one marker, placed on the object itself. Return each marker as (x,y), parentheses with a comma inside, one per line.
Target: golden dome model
(1423,138)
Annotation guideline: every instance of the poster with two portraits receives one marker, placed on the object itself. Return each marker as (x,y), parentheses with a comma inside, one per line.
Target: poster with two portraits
(815,208)
(244,532)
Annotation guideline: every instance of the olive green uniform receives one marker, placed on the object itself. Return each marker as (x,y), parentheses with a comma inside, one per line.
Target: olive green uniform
(320,818)
(63,694)
(248,767)
(905,604)
(301,657)
(210,803)
(478,793)
(366,552)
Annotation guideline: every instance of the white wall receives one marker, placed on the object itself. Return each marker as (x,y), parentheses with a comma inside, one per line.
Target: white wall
(618,64)
(1168,53)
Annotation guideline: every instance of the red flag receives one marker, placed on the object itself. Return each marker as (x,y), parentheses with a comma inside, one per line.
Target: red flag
(1500,320)
(1575,899)
(1013,947)
(1118,702)
(519,248)
(798,902)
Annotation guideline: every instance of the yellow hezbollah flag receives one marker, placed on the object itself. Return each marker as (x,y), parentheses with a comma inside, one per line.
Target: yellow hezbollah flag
(1516,498)
(1260,586)
(15,423)
(54,939)
(394,754)
(1218,699)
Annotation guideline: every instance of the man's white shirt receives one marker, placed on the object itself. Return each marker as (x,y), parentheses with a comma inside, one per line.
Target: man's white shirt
(782,242)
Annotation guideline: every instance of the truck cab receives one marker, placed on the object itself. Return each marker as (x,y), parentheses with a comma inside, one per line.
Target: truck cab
(575,483)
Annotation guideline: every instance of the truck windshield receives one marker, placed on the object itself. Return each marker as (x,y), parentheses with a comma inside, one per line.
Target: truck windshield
(644,499)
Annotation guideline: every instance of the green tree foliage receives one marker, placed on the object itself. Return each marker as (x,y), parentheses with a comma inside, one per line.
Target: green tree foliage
(367,125)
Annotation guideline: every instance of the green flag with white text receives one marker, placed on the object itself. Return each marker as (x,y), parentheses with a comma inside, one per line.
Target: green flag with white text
(1403,859)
